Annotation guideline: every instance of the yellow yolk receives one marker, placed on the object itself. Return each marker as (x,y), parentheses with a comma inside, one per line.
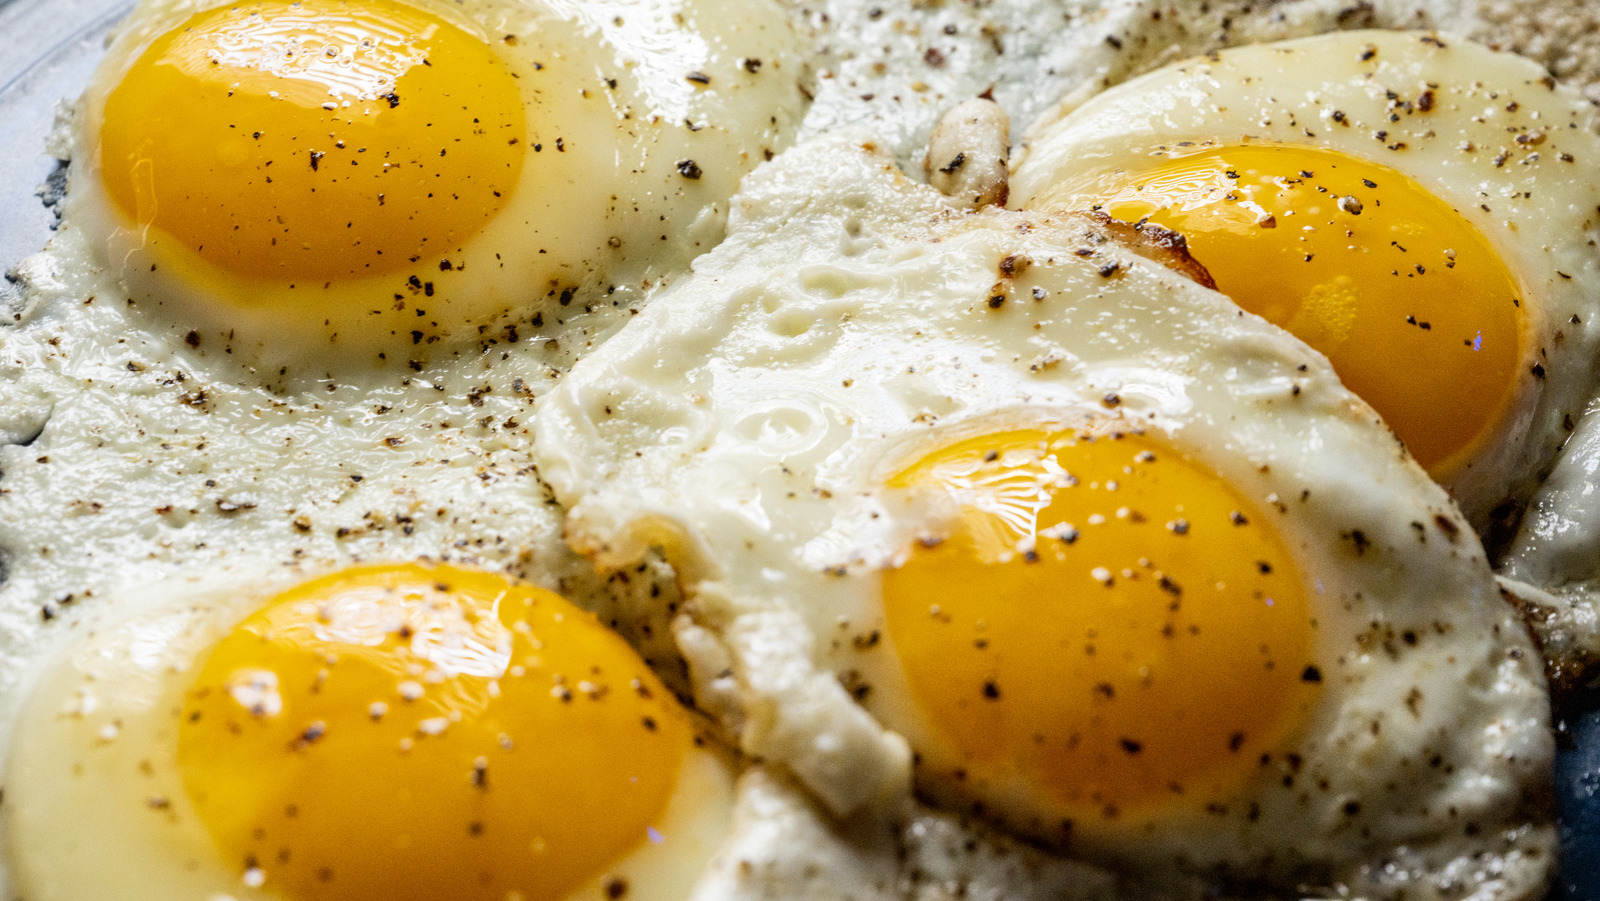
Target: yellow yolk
(406,732)
(316,140)
(1417,312)
(1107,625)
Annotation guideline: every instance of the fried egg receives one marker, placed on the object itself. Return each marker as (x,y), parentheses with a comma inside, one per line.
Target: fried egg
(1126,570)
(387,731)
(344,182)
(1418,208)
(142,451)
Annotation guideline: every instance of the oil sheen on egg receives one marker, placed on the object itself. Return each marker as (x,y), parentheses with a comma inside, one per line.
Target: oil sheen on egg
(1129,571)
(387,731)
(336,180)
(1417,208)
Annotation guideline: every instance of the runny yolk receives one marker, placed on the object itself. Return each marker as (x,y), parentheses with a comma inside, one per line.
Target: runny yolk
(314,140)
(408,733)
(1107,629)
(1417,312)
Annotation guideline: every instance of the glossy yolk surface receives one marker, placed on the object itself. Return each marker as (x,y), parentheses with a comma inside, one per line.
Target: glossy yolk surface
(422,733)
(1106,624)
(1415,309)
(315,140)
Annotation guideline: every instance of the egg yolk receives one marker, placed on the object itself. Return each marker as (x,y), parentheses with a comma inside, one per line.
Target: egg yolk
(406,732)
(1415,310)
(1106,624)
(313,140)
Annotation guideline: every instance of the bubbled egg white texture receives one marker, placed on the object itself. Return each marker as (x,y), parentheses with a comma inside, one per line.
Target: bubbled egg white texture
(1130,573)
(345,183)
(1416,207)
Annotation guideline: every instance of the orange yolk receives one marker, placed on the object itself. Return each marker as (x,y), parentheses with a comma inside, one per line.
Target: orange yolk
(314,140)
(1107,625)
(1414,308)
(408,733)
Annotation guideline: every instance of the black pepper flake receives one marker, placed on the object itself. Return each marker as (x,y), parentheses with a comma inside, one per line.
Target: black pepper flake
(991,691)
(316,159)
(392,97)
(311,735)
(1537,370)
(616,888)
(1109,269)
(1131,746)
(699,78)
(649,723)
(750,64)
(1236,741)
(1238,518)
(1178,527)
(956,162)
(192,339)
(689,169)
(1311,674)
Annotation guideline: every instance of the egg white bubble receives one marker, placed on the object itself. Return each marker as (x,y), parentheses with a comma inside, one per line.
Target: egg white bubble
(745,423)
